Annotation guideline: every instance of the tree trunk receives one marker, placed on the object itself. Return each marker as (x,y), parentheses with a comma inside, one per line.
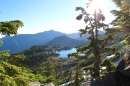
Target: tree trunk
(97,63)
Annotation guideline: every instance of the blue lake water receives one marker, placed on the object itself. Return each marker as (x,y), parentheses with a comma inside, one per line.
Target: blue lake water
(64,53)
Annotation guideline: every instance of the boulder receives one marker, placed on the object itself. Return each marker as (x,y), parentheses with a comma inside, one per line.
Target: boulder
(120,77)
(124,64)
(48,84)
(109,80)
(35,83)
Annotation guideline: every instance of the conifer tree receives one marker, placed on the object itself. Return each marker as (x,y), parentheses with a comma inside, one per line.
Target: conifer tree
(122,20)
(97,44)
(10,27)
(50,72)
(11,75)
(77,81)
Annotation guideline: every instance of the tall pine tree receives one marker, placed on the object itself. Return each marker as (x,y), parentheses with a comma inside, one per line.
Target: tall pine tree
(77,81)
(97,44)
(50,72)
(122,20)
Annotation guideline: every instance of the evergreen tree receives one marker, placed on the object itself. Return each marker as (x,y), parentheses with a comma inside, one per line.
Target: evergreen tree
(10,74)
(17,59)
(10,27)
(109,65)
(98,44)
(70,76)
(49,68)
(77,81)
(122,20)
(50,72)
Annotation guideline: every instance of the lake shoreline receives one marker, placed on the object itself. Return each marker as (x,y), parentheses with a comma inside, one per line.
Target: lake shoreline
(64,53)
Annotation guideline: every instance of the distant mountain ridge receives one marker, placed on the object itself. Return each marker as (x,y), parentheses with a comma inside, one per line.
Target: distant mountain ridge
(24,41)
(64,41)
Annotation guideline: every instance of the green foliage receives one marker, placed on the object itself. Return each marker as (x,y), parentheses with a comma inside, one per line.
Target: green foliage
(40,78)
(18,76)
(49,67)
(50,72)
(91,71)
(128,40)
(22,80)
(6,80)
(10,74)
(10,27)
(122,20)
(109,65)
(117,2)
(123,5)
(77,81)
(14,75)
(4,54)
(38,54)
(17,59)
(98,44)
(13,72)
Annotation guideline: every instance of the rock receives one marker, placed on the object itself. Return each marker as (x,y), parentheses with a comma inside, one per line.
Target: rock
(120,77)
(35,83)
(49,84)
(124,64)
(109,80)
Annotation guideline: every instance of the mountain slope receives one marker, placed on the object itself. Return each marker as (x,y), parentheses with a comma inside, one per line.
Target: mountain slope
(38,54)
(64,41)
(24,41)
(73,35)
(84,37)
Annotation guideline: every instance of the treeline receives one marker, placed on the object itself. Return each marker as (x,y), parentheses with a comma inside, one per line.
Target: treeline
(33,64)
(59,48)
(12,71)
(38,54)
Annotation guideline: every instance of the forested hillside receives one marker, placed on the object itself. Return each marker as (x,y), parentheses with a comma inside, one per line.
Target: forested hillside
(65,41)
(24,41)
(101,58)
(38,54)
(12,73)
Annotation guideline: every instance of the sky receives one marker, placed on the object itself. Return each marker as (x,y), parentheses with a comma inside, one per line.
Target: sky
(44,15)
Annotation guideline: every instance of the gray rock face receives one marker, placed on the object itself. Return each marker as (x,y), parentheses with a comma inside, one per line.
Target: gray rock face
(109,80)
(36,83)
(121,77)
(124,65)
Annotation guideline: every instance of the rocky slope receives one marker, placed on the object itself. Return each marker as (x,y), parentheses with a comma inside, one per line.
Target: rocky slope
(120,77)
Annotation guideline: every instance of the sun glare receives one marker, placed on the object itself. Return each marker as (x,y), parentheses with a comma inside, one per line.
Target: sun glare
(97,4)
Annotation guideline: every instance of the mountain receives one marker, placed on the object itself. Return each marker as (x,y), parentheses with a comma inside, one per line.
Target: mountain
(84,37)
(73,35)
(38,54)
(64,41)
(24,41)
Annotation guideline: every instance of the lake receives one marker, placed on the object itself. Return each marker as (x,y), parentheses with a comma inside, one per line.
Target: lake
(64,53)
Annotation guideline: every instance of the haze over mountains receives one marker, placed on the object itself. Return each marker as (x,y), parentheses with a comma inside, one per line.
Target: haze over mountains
(64,41)
(24,41)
